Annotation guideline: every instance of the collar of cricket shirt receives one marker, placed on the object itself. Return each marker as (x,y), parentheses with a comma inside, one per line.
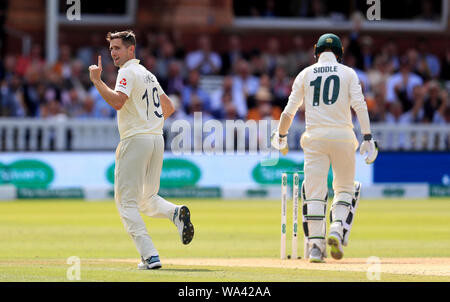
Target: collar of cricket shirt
(327,56)
(131,61)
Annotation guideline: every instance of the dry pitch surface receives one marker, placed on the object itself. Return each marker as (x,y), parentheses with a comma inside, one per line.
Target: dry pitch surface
(400,266)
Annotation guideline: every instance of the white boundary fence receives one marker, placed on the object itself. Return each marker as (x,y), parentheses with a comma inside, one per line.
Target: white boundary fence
(94,134)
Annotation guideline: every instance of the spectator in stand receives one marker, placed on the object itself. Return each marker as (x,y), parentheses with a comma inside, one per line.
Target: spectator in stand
(151,42)
(442,116)
(264,108)
(427,12)
(205,60)
(161,40)
(72,103)
(52,110)
(193,88)
(10,98)
(9,67)
(101,107)
(149,62)
(38,93)
(395,116)
(63,66)
(390,51)
(88,108)
(400,86)
(377,104)
(367,52)
(221,96)
(317,9)
(29,87)
(196,105)
(416,114)
(180,52)
(230,110)
(312,57)
(269,9)
(445,72)
(272,56)
(297,59)
(354,41)
(89,54)
(54,85)
(257,66)
(379,73)
(245,85)
(280,87)
(225,101)
(254,11)
(418,64)
(34,59)
(231,55)
(431,60)
(173,83)
(264,82)
(167,55)
(350,61)
(435,102)
(77,79)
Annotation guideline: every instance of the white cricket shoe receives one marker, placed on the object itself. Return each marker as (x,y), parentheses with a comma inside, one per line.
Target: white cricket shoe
(150,263)
(316,255)
(182,219)
(335,242)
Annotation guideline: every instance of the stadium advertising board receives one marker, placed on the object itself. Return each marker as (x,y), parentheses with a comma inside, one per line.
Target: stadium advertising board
(43,175)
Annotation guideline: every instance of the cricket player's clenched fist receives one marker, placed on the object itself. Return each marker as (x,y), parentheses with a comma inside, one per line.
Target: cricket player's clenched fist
(95,71)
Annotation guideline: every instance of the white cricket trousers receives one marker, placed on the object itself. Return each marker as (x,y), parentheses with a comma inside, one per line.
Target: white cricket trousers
(325,146)
(138,167)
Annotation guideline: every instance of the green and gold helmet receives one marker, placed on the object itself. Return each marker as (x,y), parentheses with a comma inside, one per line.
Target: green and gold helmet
(329,41)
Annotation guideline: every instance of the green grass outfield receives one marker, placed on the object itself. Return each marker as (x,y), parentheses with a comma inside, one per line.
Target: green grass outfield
(38,236)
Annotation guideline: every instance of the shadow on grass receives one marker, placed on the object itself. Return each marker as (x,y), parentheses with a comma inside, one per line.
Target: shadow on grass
(186,270)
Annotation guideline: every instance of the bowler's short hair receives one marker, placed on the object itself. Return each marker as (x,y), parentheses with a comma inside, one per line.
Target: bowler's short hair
(127,36)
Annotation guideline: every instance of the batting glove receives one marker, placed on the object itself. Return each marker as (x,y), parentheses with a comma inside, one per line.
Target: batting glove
(279,142)
(370,146)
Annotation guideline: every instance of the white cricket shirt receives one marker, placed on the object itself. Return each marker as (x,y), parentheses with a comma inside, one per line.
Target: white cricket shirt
(329,89)
(142,112)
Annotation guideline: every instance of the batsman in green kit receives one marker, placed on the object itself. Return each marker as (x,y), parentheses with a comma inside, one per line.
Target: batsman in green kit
(329,89)
(141,107)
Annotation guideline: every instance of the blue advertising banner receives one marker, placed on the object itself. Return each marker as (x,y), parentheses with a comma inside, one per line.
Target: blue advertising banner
(412,167)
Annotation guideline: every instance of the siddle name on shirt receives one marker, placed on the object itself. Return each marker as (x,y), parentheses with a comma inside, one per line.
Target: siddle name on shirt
(325,69)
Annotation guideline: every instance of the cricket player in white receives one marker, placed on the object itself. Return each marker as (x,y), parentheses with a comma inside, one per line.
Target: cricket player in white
(141,107)
(329,89)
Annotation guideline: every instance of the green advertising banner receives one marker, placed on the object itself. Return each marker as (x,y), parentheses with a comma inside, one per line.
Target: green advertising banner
(271,175)
(27,173)
(175,173)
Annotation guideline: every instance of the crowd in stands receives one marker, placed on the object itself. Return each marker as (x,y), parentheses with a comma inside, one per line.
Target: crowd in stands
(400,88)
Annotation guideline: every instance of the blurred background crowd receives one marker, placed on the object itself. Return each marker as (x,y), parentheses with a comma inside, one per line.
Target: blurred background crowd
(411,86)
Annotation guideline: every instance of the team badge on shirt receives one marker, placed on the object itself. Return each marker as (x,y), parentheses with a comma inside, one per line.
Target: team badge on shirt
(123,82)
(149,79)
